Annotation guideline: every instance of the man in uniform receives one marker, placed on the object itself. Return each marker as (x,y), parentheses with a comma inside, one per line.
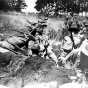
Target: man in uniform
(84,56)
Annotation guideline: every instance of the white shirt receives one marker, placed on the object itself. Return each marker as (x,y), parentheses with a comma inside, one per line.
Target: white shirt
(84,47)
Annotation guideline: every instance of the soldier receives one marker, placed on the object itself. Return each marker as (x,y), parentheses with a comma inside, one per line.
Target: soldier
(30,45)
(33,48)
(74,28)
(84,55)
(49,54)
(38,28)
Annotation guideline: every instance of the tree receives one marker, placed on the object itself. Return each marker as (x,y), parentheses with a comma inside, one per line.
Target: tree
(66,5)
(3,5)
(12,4)
(42,5)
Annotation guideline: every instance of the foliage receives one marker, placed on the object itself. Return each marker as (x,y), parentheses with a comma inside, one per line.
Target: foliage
(16,5)
(55,6)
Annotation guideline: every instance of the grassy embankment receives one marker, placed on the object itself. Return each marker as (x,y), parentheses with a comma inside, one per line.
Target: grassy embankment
(10,21)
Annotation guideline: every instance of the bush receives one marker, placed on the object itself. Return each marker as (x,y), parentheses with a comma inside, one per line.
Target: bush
(16,5)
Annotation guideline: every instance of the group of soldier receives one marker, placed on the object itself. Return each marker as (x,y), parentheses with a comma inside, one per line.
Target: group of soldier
(79,29)
(41,46)
(36,42)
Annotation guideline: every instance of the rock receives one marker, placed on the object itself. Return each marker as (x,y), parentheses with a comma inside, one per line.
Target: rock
(52,84)
(1,86)
(74,85)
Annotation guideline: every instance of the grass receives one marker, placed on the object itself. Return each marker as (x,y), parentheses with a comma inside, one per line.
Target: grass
(13,20)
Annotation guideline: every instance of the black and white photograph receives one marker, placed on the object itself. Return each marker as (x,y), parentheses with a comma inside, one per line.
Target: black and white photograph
(43,43)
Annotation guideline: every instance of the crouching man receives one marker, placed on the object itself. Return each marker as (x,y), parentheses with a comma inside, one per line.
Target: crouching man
(43,50)
(49,54)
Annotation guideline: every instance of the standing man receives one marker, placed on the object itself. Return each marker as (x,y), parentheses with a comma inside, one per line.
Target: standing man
(84,55)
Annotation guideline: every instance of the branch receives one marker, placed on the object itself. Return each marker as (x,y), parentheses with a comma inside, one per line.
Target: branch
(18,48)
(25,34)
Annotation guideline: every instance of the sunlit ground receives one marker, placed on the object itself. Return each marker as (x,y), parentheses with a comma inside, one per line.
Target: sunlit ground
(52,84)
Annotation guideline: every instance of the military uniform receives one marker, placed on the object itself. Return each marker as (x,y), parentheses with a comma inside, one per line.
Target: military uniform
(84,55)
